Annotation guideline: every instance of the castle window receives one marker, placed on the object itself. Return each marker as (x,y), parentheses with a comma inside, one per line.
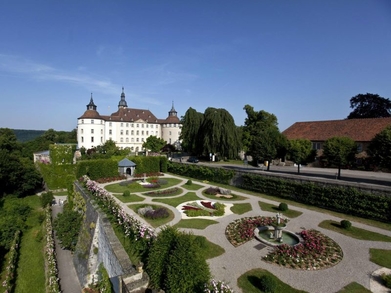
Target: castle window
(137,139)
(127,132)
(142,139)
(132,125)
(142,125)
(110,132)
(142,132)
(169,132)
(82,139)
(122,140)
(146,126)
(82,121)
(147,132)
(132,133)
(132,139)
(127,124)
(92,139)
(122,132)
(101,139)
(110,124)
(127,139)
(92,131)
(137,125)
(137,132)
(92,121)
(101,131)
(81,131)
(122,125)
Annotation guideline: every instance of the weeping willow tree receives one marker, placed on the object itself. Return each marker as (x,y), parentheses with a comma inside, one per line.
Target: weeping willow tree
(212,132)
(220,134)
(190,137)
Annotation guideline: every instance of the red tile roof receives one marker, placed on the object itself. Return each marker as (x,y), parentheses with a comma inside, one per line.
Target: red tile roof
(360,130)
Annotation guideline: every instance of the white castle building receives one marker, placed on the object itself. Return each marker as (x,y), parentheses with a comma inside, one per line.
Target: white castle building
(128,127)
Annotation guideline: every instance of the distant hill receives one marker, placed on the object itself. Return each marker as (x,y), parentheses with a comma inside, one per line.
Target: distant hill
(23,135)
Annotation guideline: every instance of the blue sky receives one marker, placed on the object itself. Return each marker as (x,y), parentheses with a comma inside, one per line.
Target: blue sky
(300,60)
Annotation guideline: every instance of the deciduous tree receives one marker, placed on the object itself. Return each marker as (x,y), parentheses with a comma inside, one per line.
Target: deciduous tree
(369,106)
(261,135)
(380,148)
(153,143)
(300,152)
(191,125)
(339,151)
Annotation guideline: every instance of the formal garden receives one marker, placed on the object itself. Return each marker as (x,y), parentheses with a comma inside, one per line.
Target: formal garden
(315,251)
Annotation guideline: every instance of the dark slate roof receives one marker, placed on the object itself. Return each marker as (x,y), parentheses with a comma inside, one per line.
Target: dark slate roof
(360,130)
(126,163)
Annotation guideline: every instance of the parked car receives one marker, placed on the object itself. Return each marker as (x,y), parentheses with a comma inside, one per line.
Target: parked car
(192,160)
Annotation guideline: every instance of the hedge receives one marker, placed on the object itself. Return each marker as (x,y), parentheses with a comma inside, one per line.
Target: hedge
(347,200)
(214,174)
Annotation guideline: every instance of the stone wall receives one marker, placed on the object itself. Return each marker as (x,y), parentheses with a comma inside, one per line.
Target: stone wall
(98,244)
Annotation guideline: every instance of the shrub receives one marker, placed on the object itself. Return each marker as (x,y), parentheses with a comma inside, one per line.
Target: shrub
(159,213)
(267,284)
(387,280)
(345,224)
(212,191)
(126,193)
(283,207)
(46,198)
(189,182)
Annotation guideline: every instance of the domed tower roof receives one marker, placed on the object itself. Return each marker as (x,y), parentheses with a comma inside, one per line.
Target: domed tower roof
(122,103)
(91,111)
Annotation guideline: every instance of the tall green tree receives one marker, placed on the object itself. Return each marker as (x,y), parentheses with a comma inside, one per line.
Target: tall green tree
(153,143)
(339,151)
(176,263)
(191,125)
(17,174)
(261,135)
(220,134)
(369,106)
(300,152)
(380,148)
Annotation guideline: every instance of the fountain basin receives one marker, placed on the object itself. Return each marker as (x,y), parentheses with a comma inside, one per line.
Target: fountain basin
(264,233)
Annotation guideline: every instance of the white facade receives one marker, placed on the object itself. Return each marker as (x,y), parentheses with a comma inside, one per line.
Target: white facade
(128,127)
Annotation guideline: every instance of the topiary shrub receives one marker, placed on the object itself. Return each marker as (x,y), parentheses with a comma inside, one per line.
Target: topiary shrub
(267,284)
(283,207)
(345,224)
(126,193)
(189,182)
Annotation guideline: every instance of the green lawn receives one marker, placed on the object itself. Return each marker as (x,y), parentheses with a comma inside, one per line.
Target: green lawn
(154,222)
(30,271)
(192,186)
(354,232)
(354,288)
(195,223)
(241,208)
(249,281)
(382,257)
(234,197)
(178,200)
(136,187)
(273,208)
(209,249)
(130,198)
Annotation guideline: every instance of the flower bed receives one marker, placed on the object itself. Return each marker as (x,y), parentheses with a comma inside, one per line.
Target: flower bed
(203,208)
(316,252)
(242,230)
(164,192)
